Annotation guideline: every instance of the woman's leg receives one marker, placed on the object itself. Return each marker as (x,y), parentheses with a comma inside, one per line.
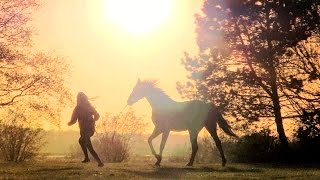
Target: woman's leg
(92,151)
(82,143)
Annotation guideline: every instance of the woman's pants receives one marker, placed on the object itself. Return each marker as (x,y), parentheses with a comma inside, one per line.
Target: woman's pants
(85,143)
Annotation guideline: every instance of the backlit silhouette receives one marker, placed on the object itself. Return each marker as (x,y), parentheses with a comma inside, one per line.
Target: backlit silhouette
(169,115)
(86,116)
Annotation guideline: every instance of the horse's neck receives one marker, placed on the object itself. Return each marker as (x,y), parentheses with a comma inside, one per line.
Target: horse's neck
(160,101)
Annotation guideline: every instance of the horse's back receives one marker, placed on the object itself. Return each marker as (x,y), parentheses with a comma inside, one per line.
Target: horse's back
(184,116)
(197,113)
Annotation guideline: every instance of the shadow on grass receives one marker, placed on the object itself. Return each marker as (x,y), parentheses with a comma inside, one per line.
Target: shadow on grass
(57,169)
(289,166)
(175,172)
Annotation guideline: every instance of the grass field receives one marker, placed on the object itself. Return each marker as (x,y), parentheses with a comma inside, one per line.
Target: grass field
(71,169)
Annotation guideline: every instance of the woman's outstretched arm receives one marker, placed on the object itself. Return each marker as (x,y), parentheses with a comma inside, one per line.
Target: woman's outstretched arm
(74,117)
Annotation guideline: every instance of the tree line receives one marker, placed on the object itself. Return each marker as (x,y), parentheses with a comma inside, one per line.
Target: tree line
(258,60)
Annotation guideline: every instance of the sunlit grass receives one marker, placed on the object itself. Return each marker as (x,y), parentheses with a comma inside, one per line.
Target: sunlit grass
(72,169)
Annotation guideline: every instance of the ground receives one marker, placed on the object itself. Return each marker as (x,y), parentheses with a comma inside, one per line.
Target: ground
(72,169)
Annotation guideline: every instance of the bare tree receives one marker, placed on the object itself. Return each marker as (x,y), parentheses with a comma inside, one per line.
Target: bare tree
(15,30)
(36,80)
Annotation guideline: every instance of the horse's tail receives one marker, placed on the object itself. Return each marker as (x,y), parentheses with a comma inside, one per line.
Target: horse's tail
(223,124)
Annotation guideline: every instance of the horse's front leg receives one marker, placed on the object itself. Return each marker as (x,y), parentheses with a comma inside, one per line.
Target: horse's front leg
(154,134)
(165,135)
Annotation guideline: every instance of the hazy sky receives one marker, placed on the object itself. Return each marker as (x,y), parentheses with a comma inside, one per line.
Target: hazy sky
(107,57)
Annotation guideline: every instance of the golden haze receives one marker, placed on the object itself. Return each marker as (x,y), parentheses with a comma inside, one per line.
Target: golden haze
(107,59)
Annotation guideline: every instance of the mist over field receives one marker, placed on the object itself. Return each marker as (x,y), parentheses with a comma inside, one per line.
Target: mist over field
(60,143)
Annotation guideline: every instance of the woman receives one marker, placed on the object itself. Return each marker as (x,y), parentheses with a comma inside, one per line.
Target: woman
(86,116)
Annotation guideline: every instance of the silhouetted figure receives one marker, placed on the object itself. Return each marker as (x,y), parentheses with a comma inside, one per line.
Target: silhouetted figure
(86,116)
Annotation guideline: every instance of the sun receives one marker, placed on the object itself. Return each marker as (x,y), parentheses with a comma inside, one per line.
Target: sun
(138,16)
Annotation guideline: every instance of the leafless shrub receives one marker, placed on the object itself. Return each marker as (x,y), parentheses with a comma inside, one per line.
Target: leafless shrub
(18,142)
(114,143)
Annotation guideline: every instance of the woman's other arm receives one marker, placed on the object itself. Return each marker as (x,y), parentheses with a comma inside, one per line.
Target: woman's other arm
(96,115)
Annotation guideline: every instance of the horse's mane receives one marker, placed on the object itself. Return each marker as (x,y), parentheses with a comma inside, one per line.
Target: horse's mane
(150,83)
(153,84)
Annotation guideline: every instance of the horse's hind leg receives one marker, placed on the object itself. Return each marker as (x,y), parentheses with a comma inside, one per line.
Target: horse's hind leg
(194,143)
(213,131)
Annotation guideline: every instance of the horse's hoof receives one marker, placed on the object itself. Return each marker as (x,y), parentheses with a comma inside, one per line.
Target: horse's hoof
(85,160)
(189,165)
(224,163)
(157,164)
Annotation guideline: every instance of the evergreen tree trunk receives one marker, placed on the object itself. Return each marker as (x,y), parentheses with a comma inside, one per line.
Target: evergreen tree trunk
(279,122)
(277,110)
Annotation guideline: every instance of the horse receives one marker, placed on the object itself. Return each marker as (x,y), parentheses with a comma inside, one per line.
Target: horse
(169,115)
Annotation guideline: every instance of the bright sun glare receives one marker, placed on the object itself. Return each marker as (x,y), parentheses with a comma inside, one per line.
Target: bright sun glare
(138,16)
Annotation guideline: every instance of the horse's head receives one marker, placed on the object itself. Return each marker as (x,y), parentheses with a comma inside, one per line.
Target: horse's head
(138,92)
(141,89)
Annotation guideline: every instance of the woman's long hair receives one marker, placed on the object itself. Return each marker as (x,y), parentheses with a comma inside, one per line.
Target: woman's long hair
(83,100)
